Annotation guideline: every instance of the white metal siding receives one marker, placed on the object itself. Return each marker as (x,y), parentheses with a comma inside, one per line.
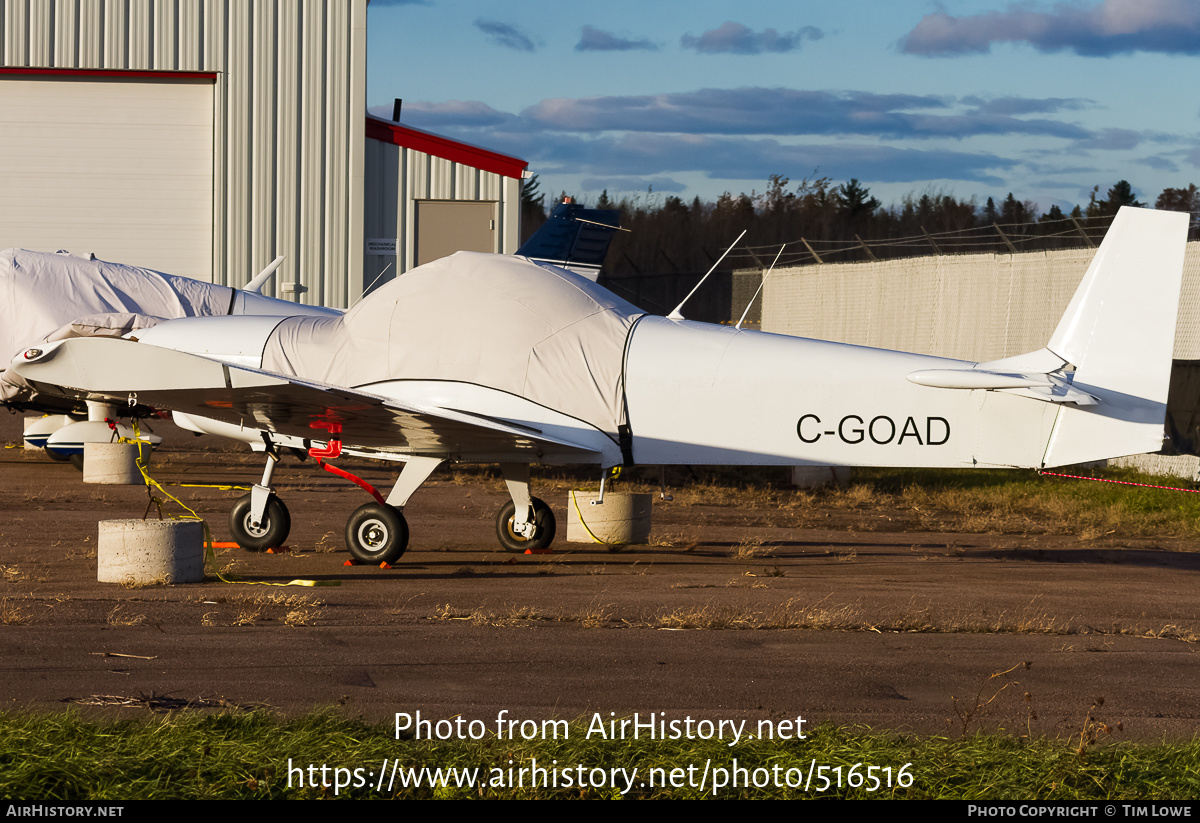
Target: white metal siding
(288,119)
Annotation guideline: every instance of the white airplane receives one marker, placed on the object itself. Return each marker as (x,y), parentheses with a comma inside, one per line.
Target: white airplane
(486,358)
(56,296)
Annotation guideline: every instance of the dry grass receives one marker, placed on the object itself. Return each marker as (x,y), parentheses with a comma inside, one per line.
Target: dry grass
(708,616)
(118,617)
(857,496)
(985,699)
(593,616)
(596,616)
(247,615)
(750,548)
(303,616)
(515,616)
(791,614)
(12,613)
(673,540)
(81,552)
(823,614)
(290,608)
(131,582)
(11,574)
(327,543)
(734,583)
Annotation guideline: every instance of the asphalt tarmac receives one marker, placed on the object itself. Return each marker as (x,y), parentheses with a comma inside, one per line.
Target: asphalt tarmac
(743,608)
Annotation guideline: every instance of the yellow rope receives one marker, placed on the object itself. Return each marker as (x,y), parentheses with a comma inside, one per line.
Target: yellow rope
(209,548)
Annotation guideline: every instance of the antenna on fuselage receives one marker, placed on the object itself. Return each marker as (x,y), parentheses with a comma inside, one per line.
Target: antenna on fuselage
(260,279)
(761,283)
(676,315)
(371,285)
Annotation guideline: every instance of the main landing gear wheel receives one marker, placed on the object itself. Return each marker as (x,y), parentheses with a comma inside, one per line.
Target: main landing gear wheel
(77,461)
(377,533)
(268,534)
(543,533)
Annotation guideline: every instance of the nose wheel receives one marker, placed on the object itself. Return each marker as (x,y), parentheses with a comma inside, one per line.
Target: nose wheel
(537,534)
(376,533)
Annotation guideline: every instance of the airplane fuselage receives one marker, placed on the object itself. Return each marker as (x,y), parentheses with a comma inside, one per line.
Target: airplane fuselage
(706,394)
(703,394)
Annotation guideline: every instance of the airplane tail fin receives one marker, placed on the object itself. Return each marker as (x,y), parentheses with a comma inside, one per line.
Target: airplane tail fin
(1118,334)
(574,238)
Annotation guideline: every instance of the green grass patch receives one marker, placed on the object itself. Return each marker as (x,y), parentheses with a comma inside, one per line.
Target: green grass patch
(982,501)
(62,757)
(1023,501)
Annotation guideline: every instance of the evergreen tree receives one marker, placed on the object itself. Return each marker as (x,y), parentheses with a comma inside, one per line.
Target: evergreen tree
(533,208)
(530,196)
(1179,199)
(855,201)
(990,215)
(1121,194)
(1055,213)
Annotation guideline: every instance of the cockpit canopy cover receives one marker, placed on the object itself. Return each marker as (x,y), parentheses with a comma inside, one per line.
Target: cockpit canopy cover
(507,323)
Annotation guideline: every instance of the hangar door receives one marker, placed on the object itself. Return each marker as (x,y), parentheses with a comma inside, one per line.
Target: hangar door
(120,166)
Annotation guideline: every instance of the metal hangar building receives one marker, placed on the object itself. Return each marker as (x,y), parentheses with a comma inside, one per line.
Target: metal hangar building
(205,137)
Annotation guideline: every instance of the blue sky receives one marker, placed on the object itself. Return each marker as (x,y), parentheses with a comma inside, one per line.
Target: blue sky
(965,97)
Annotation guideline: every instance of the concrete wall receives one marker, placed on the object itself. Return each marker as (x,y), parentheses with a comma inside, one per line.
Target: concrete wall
(972,307)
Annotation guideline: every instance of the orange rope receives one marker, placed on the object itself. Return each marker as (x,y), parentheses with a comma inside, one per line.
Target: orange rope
(1120,482)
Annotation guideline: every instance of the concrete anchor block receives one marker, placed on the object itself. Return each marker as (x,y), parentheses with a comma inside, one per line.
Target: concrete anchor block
(620,520)
(113,464)
(144,552)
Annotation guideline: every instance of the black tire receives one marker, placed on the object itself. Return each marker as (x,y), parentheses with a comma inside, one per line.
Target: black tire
(269,534)
(543,535)
(77,461)
(57,456)
(377,534)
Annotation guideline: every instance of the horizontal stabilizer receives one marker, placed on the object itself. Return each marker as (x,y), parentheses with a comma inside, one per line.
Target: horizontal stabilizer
(1048,387)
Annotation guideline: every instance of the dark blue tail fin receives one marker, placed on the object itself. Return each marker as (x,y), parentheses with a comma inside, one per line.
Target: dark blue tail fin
(574,238)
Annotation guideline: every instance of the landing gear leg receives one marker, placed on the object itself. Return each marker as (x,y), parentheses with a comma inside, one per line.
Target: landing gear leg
(524,523)
(259,520)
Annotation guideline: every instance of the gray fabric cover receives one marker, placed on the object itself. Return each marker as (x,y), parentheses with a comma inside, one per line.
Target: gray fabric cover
(43,293)
(504,322)
(114,324)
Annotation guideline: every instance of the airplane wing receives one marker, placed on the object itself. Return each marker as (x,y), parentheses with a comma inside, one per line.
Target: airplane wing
(121,370)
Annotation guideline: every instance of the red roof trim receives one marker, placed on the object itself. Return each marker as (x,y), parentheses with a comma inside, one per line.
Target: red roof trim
(418,140)
(123,74)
